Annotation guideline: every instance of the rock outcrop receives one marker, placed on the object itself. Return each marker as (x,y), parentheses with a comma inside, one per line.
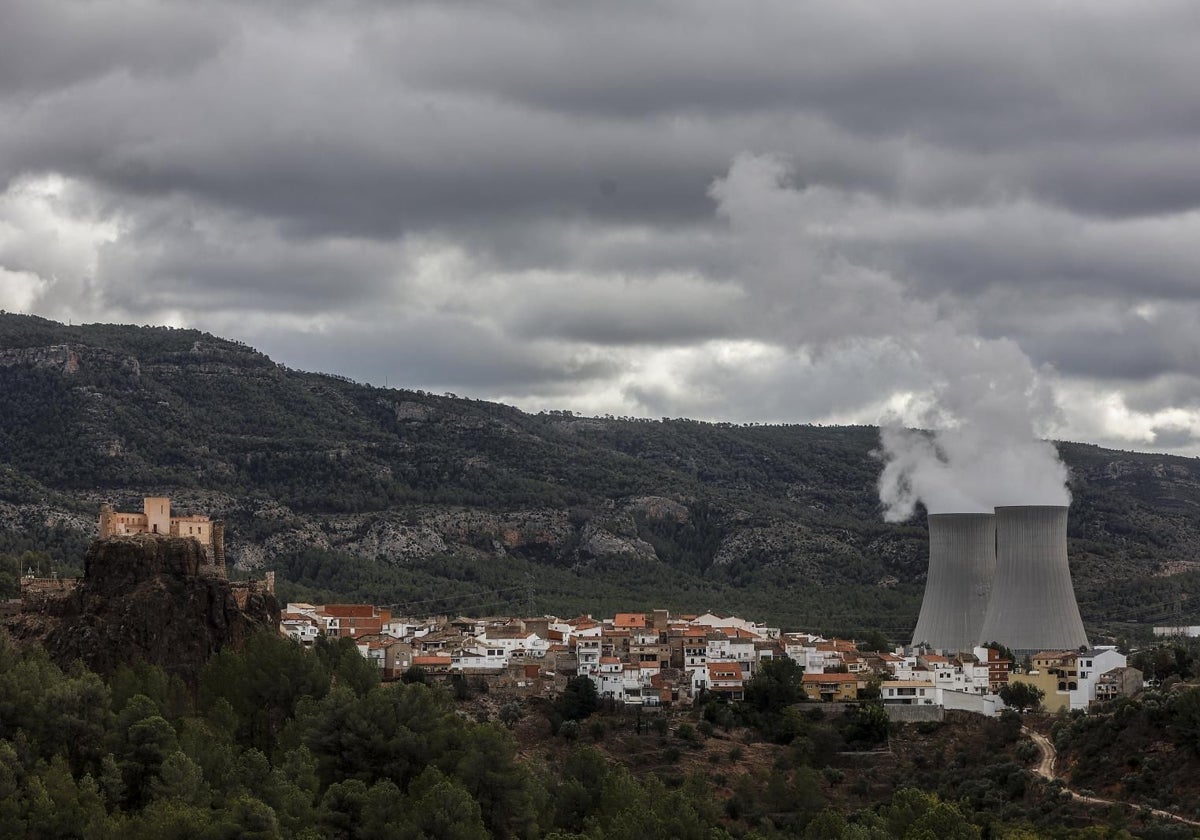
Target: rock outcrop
(146,599)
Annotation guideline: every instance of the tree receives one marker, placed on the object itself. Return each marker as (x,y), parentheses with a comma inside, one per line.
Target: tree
(1022,696)
(875,641)
(776,684)
(578,699)
(443,809)
(414,674)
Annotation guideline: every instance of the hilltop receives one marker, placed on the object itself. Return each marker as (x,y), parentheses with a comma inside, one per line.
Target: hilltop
(446,503)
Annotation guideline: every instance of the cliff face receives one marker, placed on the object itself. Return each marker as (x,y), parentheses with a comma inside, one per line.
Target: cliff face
(147,599)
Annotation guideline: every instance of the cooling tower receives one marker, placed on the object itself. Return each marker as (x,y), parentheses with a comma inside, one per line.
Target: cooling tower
(1032,606)
(962,561)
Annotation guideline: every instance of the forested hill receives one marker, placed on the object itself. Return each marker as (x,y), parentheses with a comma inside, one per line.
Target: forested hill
(450,504)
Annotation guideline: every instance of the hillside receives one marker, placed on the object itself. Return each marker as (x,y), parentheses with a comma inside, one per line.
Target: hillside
(443,503)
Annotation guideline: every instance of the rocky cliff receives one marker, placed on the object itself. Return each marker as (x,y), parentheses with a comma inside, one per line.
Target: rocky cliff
(145,599)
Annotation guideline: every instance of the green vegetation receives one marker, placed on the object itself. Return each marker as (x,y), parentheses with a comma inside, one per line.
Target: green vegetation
(1144,750)
(278,742)
(1022,696)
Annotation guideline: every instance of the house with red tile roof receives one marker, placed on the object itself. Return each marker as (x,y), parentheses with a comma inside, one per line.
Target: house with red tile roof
(725,680)
(841,688)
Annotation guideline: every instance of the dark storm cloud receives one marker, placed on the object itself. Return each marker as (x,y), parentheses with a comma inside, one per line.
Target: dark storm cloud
(49,46)
(435,353)
(808,208)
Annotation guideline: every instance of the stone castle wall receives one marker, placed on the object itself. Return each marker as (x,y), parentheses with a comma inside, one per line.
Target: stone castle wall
(156,521)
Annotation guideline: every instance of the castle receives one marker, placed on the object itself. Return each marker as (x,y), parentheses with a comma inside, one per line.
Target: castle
(156,518)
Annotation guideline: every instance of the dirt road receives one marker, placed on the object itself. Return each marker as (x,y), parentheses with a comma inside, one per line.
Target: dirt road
(1047,770)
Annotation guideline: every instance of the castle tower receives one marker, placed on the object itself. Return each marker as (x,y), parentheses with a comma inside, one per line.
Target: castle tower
(158,515)
(962,562)
(107,528)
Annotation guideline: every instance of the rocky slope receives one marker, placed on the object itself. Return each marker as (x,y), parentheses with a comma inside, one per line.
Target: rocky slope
(145,599)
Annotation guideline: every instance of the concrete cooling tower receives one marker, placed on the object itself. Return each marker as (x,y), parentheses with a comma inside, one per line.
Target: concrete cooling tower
(962,562)
(1032,606)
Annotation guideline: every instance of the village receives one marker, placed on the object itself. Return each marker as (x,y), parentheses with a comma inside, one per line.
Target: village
(659,659)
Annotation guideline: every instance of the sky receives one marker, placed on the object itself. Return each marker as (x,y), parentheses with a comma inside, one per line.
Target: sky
(800,212)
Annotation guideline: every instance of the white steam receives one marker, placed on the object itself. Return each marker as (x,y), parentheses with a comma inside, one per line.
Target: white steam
(818,287)
(988,408)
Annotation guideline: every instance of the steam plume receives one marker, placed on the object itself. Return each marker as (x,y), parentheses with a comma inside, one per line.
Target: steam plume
(987,408)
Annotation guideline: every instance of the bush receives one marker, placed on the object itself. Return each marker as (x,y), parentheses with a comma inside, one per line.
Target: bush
(833,775)
(596,729)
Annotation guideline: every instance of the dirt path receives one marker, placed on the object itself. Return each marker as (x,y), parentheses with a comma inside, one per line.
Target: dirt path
(1046,769)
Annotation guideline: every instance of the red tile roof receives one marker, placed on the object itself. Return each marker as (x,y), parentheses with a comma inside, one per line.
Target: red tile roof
(349,610)
(628,620)
(431,660)
(724,671)
(829,678)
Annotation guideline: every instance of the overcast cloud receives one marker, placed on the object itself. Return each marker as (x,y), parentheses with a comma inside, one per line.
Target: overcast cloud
(780,212)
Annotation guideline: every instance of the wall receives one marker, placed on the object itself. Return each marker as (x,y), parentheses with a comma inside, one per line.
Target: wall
(914,714)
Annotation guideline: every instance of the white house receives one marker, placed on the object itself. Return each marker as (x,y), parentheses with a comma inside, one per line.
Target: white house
(909,693)
(479,657)
(303,630)
(587,651)
(1092,663)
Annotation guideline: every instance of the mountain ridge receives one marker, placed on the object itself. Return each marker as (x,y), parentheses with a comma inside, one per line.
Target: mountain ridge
(407,497)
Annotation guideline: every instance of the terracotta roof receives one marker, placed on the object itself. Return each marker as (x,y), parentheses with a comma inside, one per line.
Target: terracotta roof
(349,610)
(629,620)
(724,671)
(609,660)
(829,678)
(431,660)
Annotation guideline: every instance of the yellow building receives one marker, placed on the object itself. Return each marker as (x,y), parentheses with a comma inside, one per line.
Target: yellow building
(832,688)
(1056,673)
